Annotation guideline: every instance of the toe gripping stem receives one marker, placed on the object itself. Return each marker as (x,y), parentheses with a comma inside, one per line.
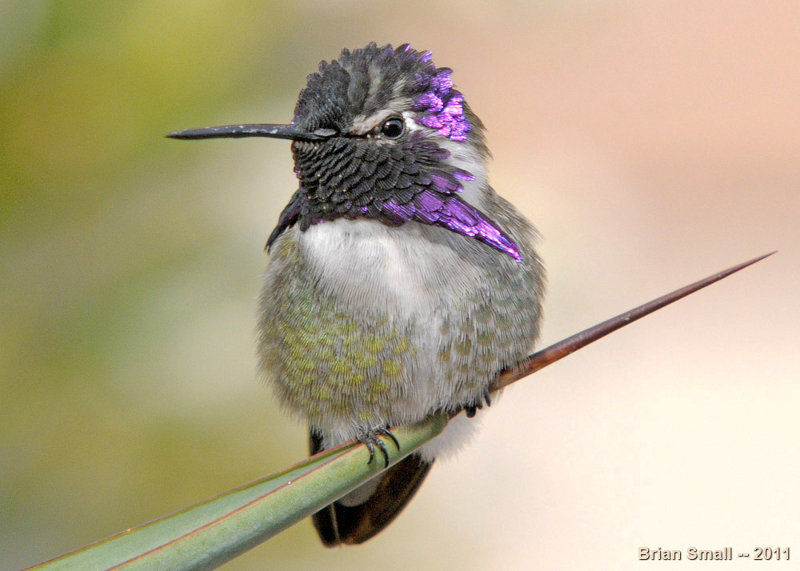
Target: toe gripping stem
(371,438)
(473,408)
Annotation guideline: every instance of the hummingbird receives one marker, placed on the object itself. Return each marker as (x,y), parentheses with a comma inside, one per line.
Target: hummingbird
(399,281)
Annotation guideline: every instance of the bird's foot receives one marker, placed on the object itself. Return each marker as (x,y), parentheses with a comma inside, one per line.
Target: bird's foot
(471,409)
(371,439)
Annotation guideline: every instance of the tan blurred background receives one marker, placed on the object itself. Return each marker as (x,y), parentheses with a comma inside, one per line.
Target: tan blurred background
(652,143)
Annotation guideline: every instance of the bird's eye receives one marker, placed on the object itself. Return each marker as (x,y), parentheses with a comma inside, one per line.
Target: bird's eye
(393,127)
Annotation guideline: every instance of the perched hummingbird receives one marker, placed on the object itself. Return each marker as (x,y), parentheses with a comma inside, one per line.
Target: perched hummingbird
(399,281)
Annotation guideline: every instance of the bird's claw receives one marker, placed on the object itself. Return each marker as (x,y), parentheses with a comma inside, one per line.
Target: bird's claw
(371,439)
(473,408)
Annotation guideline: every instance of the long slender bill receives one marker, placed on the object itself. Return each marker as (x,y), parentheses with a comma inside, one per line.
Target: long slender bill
(254,130)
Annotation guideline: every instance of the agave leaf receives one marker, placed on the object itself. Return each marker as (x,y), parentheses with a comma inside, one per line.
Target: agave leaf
(210,533)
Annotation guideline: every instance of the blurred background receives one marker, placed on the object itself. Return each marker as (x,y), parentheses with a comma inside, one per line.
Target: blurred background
(652,144)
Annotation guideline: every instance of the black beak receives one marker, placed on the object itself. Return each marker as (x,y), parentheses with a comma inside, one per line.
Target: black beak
(254,130)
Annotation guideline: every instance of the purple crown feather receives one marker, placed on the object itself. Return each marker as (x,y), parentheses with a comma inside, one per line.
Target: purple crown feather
(442,107)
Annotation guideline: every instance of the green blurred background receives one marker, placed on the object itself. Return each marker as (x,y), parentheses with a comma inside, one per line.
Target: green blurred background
(652,143)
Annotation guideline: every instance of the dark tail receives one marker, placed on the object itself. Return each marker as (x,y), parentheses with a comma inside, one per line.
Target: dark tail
(362,518)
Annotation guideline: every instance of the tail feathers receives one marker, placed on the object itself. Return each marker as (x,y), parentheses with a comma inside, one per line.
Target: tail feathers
(340,524)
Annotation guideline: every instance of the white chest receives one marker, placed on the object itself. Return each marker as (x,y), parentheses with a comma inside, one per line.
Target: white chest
(370,265)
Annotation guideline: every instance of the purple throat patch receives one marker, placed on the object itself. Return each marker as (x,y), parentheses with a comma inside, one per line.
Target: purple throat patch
(455,215)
